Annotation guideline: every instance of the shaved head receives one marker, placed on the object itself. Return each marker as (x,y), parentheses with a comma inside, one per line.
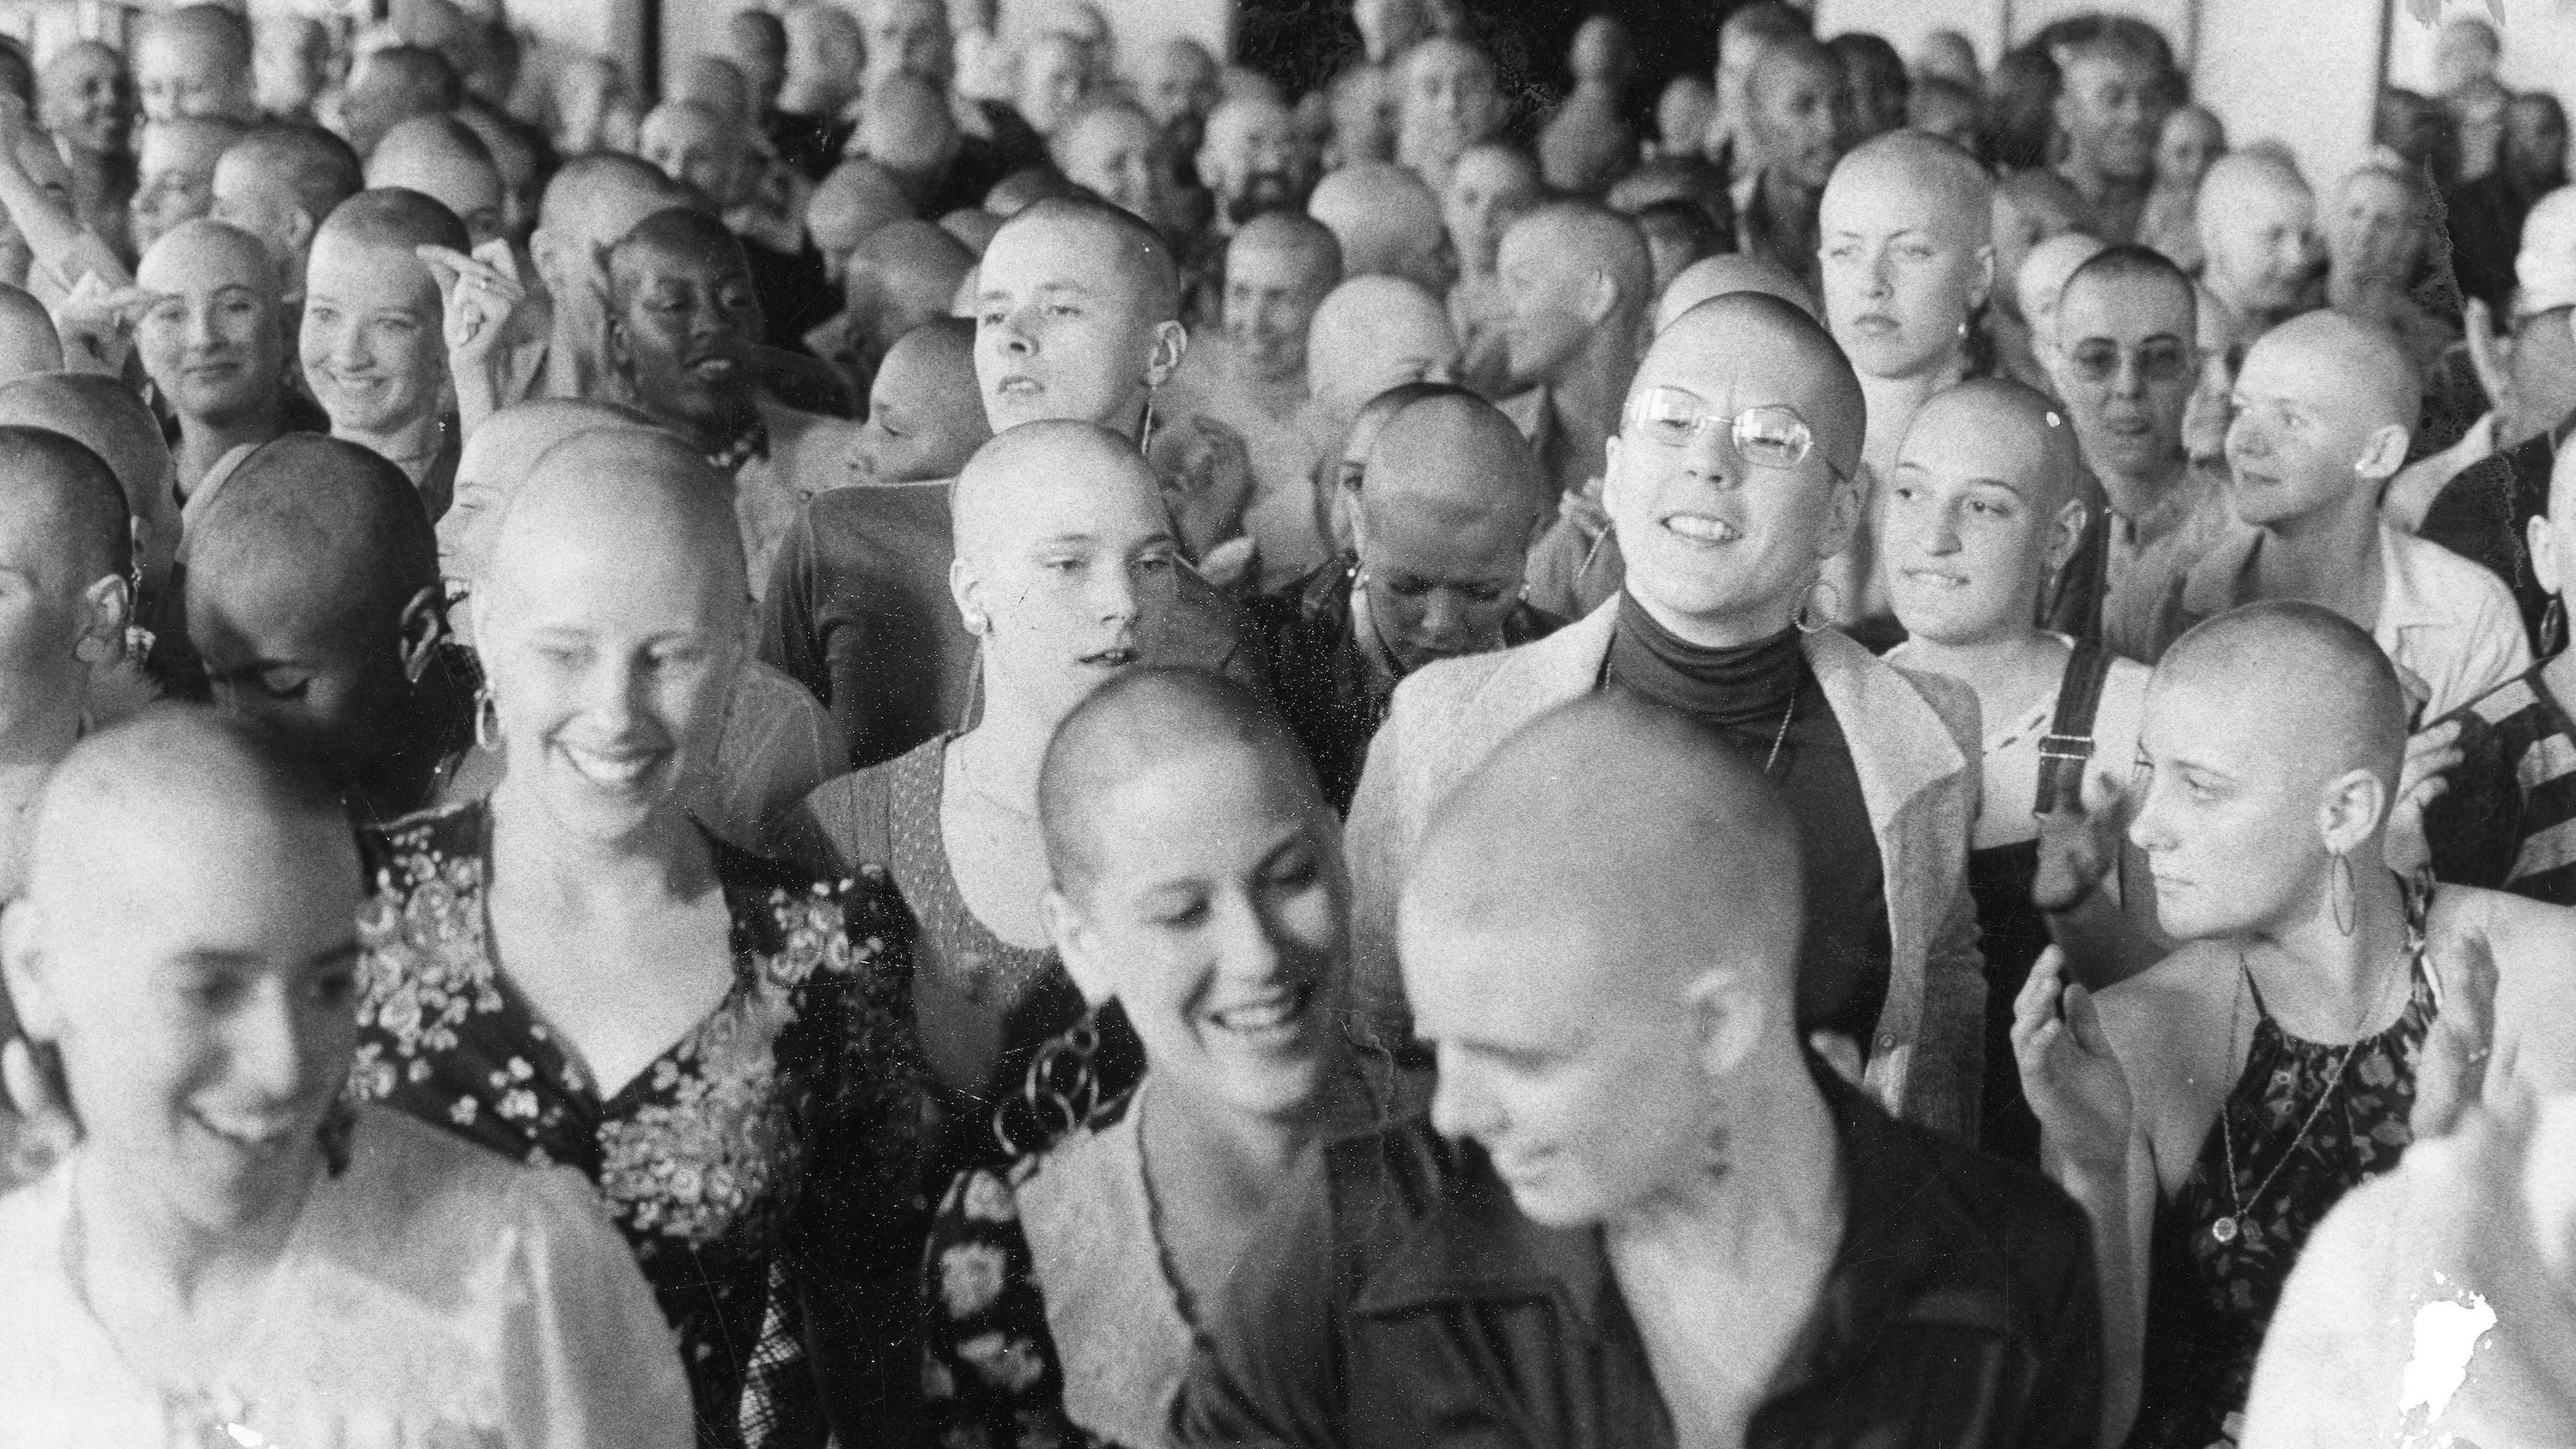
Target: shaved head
(1739,329)
(2042,280)
(666,505)
(104,416)
(1373,333)
(987,506)
(27,341)
(2307,679)
(1291,234)
(62,492)
(856,199)
(1593,238)
(325,522)
(2364,361)
(679,232)
(2023,430)
(903,275)
(1962,191)
(1457,459)
(441,158)
(1142,721)
(495,461)
(1120,243)
(1731,272)
(1387,222)
(596,199)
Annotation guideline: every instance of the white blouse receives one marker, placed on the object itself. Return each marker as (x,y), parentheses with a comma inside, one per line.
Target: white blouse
(432,1294)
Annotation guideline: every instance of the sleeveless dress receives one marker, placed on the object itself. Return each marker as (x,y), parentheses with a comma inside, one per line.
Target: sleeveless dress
(2208,1301)
(775,1138)
(984,1009)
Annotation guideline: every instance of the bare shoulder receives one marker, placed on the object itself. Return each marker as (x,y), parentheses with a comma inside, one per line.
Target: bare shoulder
(2170,1003)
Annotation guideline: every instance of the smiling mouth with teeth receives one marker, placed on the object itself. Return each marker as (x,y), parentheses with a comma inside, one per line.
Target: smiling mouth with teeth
(1701,529)
(1268,1014)
(617,771)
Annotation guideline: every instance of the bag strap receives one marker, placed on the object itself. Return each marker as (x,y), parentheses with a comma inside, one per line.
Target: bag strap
(2068,746)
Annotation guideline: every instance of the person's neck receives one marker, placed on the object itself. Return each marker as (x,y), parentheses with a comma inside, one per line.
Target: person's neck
(2328,985)
(1731,630)
(2369,298)
(717,431)
(577,349)
(132,1246)
(1781,1175)
(1004,750)
(1999,667)
(2152,501)
(1198,1149)
(411,445)
(204,441)
(1587,397)
(567,873)
(2100,189)
(1893,401)
(2329,558)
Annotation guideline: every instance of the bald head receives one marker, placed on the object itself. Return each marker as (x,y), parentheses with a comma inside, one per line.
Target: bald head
(494,462)
(27,341)
(1955,191)
(1388,223)
(1753,331)
(194,61)
(1309,242)
(1645,812)
(1591,241)
(61,492)
(1097,239)
(857,198)
(327,522)
(443,159)
(104,416)
(2256,217)
(2363,361)
(988,506)
(593,201)
(1996,428)
(902,275)
(1457,460)
(2308,681)
(1373,333)
(669,511)
(1731,272)
(1138,723)
(2043,278)
(682,233)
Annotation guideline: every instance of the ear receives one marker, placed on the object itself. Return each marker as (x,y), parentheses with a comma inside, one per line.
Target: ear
(1600,295)
(105,606)
(1610,487)
(1357,517)
(2066,534)
(300,227)
(421,629)
(1844,519)
(1728,1019)
(967,592)
(1076,945)
(1171,344)
(2383,454)
(2350,808)
(40,1017)
(2542,540)
(1981,287)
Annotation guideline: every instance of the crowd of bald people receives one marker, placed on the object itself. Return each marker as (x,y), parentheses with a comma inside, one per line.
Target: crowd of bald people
(966,732)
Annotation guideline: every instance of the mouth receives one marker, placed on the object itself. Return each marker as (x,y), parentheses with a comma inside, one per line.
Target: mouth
(1267,1018)
(1699,530)
(1018,386)
(2127,427)
(712,369)
(1935,578)
(1116,656)
(1874,324)
(610,769)
(259,1134)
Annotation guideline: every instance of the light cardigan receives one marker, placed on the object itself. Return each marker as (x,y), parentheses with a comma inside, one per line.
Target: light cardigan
(1914,742)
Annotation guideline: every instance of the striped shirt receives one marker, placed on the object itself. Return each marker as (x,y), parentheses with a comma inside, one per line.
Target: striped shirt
(2508,820)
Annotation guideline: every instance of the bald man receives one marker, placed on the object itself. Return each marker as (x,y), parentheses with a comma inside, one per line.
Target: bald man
(212,339)
(1908,259)
(1447,99)
(66,543)
(1252,377)
(1388,223)
(2295,715)
(175,173)
(1626,1215)
(1580,287)
(195,61)
(857,608)
(684,321)
(441,158)
(310,587)
(1446,501)
(592,203)
(1792,106)
(1112,148)
(900,276)
(1722,526)
(2324,407)
(2258,231)
(278,184)
(187,949)
(2112,97)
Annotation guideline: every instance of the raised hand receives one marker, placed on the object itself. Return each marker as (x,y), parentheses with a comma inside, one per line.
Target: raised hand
(96,323)
(2079,845)
(1206,473)
(2430,756)
(479,293)
(2075,1084)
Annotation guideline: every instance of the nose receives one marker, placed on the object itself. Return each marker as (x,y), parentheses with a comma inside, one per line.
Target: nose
(1019,337)
(1247,941)
(1881,275)
(1710,457)
(349,350)
(1444,615)
(2246,438)
(1460,1105)
(2149,829)
(614,693)
(2129,378)
(201,327)
(1940,532)
(268,1045)
(1113,594)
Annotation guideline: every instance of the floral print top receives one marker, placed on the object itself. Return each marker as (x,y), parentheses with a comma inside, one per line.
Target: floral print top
(2209,1300)
(778,1129)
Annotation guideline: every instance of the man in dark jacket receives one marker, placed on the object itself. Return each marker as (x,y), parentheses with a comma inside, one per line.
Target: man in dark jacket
(1640,1214)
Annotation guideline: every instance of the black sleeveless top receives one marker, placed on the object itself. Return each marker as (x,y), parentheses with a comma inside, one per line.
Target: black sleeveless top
(2210,1299)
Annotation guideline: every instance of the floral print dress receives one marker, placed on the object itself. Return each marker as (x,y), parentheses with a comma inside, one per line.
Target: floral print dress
(2210,1297)
(779,1129)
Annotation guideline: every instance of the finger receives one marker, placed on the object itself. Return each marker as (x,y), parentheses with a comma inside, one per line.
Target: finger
(2084,1019)
(2037,1000)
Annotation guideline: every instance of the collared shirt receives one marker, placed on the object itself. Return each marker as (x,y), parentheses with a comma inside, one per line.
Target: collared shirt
(1402,1299)
(2448,625)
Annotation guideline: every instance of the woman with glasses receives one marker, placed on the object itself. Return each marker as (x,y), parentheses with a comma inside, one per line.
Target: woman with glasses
(1728,486)
(1441,535)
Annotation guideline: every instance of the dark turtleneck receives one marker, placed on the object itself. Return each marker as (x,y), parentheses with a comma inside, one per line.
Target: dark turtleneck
(1744,693)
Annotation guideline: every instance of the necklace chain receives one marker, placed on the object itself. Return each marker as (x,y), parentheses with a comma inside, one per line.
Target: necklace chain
(2226,1229)
(1782,737)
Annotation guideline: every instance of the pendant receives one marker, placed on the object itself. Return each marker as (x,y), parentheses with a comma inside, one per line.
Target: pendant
(2224,1230)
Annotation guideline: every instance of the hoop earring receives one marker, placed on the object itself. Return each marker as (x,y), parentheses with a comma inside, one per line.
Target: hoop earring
(1807,617)
(1062,1093)
(2343,898)
(487,722)
(2553,628)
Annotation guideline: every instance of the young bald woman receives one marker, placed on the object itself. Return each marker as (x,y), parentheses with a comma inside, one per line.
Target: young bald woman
(2209,1111)
(1196,883)
(575,972)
